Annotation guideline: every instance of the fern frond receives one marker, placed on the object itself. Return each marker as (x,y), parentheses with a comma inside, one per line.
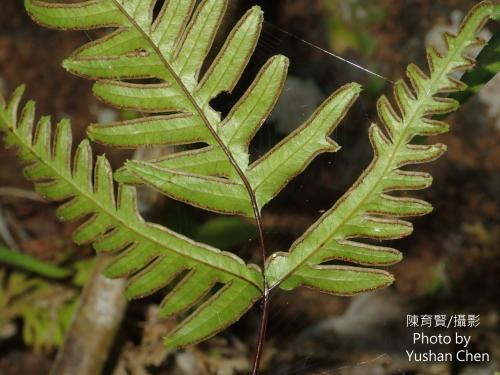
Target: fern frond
(171,49)
(152,256)
(368,210)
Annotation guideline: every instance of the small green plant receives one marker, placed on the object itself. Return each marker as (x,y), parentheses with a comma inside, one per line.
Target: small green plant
(42,301)
(45,308)
(169,50)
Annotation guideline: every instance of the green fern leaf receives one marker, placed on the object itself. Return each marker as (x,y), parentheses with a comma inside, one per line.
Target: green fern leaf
(367,210)
(172,50)
(152,256)
(224,195)
(270,174)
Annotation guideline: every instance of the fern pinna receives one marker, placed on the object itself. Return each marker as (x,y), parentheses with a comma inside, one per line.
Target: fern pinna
(169,50)
(366,210)
(155,255)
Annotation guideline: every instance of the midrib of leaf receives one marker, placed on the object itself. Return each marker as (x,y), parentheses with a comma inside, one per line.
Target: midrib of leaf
(377,165)
(201,113)
(210,178)
(296,149)
(232,59)
(192,50)
(257,103)
(111,212)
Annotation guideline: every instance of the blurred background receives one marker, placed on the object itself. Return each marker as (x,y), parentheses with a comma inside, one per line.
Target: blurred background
(451,263)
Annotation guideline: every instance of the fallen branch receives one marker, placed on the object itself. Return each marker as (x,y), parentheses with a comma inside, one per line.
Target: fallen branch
(93,329)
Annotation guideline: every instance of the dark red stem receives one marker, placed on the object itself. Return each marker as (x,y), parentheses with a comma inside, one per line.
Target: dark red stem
(265,299)
(262,333)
